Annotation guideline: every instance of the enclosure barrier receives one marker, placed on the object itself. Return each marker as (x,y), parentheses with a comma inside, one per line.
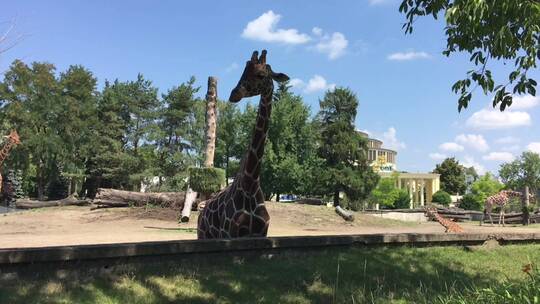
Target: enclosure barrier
(263,245)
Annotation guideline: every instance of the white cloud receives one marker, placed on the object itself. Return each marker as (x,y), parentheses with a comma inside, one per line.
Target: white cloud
(475,141)
(534,147)
(410,55)
(524,102)
(390,140)
(494,119)
(507,140)
(437,156)
(233,66)
(264,29)
(499,156)
(317,31)
(334,45)
(451,147)
(470,162)
(318,83)
(297,83)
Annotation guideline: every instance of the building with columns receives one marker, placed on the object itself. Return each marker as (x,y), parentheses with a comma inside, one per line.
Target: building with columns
(420,186)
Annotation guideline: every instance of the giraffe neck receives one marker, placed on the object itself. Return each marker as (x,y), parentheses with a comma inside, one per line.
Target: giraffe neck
(251,168)
(5,151)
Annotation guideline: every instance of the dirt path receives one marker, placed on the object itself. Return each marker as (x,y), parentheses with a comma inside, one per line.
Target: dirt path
(78,225)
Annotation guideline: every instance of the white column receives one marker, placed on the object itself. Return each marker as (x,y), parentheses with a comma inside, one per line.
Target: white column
(409,184)
(422,188)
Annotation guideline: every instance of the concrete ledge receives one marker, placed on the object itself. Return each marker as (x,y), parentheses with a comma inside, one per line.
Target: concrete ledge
(164,248)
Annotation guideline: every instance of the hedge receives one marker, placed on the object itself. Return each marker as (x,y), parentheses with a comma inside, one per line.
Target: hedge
(206,180)
(442,198)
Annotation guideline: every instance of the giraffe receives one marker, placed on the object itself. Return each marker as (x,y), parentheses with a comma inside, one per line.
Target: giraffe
(449,225)
(12,140)
(239,210)
(500,199)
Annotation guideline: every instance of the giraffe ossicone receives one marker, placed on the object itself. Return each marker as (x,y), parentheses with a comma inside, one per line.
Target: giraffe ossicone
(239,210)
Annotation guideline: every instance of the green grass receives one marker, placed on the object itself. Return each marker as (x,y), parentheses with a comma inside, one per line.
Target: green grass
(375,275)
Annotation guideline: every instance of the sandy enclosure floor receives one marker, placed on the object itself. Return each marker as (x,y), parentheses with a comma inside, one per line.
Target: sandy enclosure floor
(78,225)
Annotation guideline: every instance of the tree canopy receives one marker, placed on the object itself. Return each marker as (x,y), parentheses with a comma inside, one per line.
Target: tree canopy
(452,176)
(499,30)
(125,135)
(343,148)
(524,171)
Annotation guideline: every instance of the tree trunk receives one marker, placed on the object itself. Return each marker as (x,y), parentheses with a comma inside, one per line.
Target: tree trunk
(68,201)
(526,206)
(211,117)
(336,198)
(173,200)
(348,216)
(190,199)
(211,100)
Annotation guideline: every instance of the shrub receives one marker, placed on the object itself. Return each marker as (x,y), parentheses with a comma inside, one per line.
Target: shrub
(403,199)
(206,180)
(442,198)
(471,202)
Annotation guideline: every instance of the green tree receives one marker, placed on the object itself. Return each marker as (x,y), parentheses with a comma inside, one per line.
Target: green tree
(503,30)
(442,197)
(386,193)
(290,143)
(228,134)
(452,176)
(79,113)
(342,148)
(32,104)
(110,163)
(484,187)
(470,177)
(171,136)
(524,171)
(403,200)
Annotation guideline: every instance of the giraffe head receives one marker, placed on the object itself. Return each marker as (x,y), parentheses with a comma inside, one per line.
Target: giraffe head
(13,137)
(256,79)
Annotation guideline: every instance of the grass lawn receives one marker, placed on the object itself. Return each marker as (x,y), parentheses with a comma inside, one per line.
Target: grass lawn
(374,275)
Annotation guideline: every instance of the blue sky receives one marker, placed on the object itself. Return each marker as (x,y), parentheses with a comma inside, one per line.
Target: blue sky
(402,81)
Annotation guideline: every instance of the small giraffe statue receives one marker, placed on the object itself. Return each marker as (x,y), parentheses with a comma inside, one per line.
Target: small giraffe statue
(449,225)
(500,199)
(12,140)
(239,210)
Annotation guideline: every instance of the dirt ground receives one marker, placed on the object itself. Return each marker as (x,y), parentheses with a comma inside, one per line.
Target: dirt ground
(79,225)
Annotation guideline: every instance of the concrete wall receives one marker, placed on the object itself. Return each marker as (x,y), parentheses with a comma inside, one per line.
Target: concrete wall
(402,216)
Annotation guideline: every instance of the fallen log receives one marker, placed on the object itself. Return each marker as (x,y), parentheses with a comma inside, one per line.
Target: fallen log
(174,200)
(310,201)
(348,216)
(191,196)
(100,204)
(32,204)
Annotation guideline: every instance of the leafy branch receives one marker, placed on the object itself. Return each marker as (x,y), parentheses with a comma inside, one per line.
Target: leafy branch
(501,30)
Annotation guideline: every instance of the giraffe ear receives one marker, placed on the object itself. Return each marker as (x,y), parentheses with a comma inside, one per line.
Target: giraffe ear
(279,77)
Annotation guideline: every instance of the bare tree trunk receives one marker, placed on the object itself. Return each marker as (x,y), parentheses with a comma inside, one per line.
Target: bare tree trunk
(211,117)
(346,215)
(336,198)
(186,211)
(68,201)
(211,100)
(173,200)
(526,206)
